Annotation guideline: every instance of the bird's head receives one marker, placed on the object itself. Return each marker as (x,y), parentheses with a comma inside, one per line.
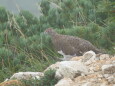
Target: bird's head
(50,31)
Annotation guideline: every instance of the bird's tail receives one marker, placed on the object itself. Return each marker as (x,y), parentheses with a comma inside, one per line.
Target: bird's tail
(97,51)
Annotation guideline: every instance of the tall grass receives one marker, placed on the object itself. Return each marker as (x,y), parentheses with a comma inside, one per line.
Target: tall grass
(21,49)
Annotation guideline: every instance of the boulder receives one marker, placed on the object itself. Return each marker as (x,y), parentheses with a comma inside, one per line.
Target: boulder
(71,69)
(27,75)
(90,80)
(108,69)
(109,72)
(53,67)
(89,57)
(65,82)
(104,56)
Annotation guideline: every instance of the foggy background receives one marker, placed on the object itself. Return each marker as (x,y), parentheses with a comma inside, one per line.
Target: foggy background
(15,6)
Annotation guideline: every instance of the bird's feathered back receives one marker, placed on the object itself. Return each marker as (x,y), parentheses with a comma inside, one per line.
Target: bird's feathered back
(70,45)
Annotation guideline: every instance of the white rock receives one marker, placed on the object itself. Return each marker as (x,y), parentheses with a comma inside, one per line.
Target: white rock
(106,66)
(89,57)
(111,79)
(6,79)
(65,82)
(71,69)
(86,84)
(106,75)
(108,69)
(89,83)
(27,75)
(53,67)
(104,56)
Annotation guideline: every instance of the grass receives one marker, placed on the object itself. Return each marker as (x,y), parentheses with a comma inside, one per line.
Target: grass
(47,80)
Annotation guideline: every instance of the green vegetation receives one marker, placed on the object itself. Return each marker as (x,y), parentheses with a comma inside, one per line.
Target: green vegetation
(47,80)
(24,47)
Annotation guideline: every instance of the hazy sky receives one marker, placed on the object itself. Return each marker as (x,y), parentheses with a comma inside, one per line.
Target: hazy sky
(16,5)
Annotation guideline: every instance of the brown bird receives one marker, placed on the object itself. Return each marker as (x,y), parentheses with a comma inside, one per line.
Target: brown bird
(70,46)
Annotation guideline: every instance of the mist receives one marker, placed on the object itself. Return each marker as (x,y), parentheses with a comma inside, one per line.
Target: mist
(15,6)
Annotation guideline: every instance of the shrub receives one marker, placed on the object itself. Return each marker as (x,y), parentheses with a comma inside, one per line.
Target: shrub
(3,15)
(47,80)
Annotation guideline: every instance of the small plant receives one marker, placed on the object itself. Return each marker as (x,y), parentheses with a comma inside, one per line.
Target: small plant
(48,79)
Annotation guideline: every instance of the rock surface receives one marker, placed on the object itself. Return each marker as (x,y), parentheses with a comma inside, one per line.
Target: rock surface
(68,69)
(27,75)
(87,70)
(65,82)
(71,69)
(108,69)
(101,70)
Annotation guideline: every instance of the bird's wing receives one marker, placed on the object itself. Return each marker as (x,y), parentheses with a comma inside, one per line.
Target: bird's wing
(62,43)
(85,46)
(80,46)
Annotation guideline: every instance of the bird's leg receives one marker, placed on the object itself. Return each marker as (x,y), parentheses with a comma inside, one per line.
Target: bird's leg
(65,57)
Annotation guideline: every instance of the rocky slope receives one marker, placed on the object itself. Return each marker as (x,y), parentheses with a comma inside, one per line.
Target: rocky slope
(87,70)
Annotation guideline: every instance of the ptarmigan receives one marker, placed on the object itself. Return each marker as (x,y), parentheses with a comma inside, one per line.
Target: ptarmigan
(70,46)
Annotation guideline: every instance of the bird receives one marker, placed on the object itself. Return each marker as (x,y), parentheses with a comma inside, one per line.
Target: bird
(70,46)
